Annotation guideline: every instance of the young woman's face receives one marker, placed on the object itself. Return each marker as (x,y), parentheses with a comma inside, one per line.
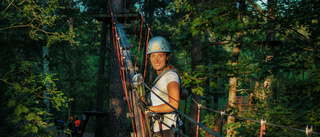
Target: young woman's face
(158,60)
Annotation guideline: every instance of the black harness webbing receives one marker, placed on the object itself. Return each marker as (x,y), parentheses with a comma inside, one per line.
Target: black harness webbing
(162,73)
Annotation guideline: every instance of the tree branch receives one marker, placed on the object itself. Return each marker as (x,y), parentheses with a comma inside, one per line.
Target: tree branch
(255,7)
(19,26)
(8,6)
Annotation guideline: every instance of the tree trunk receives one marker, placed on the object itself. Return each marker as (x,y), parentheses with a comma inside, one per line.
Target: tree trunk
(195,61)
(46,70)
(234,80)
(71,69)
(270,37)
(46,62)
(101,83)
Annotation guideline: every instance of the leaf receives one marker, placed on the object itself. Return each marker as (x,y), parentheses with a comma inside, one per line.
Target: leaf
(30,116)
(24,109)
(17,87)
(18,110)
(34,129)
(11,103)
(213,84)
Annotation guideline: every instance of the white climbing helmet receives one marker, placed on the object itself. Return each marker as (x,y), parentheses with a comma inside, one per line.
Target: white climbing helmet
(158,44)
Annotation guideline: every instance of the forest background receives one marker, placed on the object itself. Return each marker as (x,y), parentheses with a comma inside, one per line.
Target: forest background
(57,60)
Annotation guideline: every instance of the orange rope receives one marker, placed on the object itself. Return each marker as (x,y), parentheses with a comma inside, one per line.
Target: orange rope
(116,45)
(146,59)
(131,103)
(122,77)
(134,28)
(139,42)
(124,82)
(128,11)
(142,125)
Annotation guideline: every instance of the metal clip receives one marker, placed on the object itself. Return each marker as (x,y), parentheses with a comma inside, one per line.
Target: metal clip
(263,121)
(309,130)
(223,112)
(129,115)
(263,125)
(137,80)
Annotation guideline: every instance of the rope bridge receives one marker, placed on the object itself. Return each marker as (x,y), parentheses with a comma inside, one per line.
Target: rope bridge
(135,87)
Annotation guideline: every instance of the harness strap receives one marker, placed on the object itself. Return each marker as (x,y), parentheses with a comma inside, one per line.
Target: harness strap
(161,74)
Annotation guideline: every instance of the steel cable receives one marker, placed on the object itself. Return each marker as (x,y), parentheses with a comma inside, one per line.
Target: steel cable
(257,121)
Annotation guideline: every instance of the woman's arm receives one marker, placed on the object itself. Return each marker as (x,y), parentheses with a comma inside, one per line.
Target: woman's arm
(174,96)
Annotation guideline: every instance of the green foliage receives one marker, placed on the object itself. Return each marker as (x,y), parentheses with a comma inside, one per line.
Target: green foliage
(209,121)
(197,80)
(294,68)
(24,99)
(39,18)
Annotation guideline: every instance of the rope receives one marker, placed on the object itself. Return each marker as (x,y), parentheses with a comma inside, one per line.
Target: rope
(270,124)
(139,41)
(132,106)
(124,84)
(131,103)
(146,59)
(113,9)
(148,125)
(122,75)
(134,30)
(128,11)
(142,125)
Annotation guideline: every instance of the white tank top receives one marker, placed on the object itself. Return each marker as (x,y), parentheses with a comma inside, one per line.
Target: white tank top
(160,88)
